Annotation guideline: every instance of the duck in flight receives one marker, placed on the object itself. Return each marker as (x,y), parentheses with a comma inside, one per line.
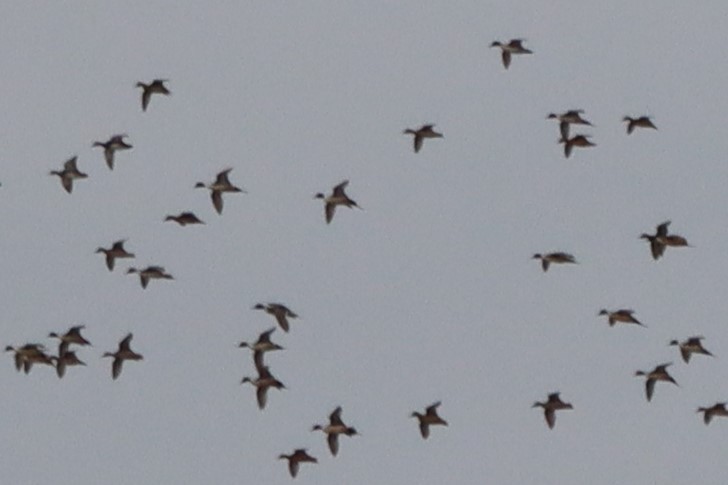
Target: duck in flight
(72,336)
(425,131)
(429,418)
(620,316)
(124,353)
(155,87)
(575,141)
(115,144)
(638,122)
(556,258)
(218,187)
(514,46)
(69,173)
(298,456)
(150,273)
(115,251)
(659,373)
(550,406)
(335,428)
(661,239)
(690,346)
(338,197)
(571,117)
(184,219)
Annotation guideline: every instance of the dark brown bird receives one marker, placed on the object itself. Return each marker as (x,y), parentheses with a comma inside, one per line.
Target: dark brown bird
(157,86)
(298,456)
(425,131)
(69,173)
(115,144)
(515,46)
(639,122)
(575,141)
(337,197)
(263,382)
(72,336)
(621,316)
(150,273)
(67,358)
(116,251)
(281,313)
(717,409)
(124,353)
(550,406)
(332,430)
(659,373)
(430,418)
(184,219)
(218,187)
(691,346)
(556,258)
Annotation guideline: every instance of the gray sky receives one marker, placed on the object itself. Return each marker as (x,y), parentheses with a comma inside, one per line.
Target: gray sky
(428,294)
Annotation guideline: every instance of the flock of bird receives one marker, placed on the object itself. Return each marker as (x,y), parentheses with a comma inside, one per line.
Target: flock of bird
(25,356)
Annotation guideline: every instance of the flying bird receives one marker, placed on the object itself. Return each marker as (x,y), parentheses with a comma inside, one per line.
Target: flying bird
(335,428)
(124,353)
(425,131)
(337,197)
(515,46)
(157,86)
(69,173)
(114,252)
(550,406)
(430,418)
(115,144)
(218,187)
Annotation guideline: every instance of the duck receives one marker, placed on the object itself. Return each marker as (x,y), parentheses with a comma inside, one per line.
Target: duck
(69,173)
(263,382)
(639,122)
(29,354)
(115,143)
(430,418)
(64,360)
(280,311)
(425,131)
(335,427)
(124,353)
(150,273)
(576,141)
(184,219)
(661,239)
(717,409)
(621,316)
(691,346)
(337,197)
(659,373)
(571,117)
(157,86)
(115,251)
(72,336)
(556,258)
(260,346)
(298,456)
(550,406)
(514,46)
(220,185)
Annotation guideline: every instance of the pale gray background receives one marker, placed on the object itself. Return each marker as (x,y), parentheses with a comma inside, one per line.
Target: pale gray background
(427,294)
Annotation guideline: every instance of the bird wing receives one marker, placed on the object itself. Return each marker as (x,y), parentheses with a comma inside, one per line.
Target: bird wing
(217,200)
(333,440)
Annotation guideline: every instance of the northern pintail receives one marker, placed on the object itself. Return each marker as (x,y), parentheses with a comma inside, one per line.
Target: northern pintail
(425,131)
(690,346)
(115,251)
(281,313)
(659,373)
(156,86)
(115,143)
(515,46)
(661,239)
(621,316)
(550,406)
(298,456)
(717,409)
(337,197)
(29,354)
(220,185)
(124,353)
(184,218)
(332,430)
(260,346)
(150,273)
(556,258)
(571,117)
(639,122)
(262,383)
(65,359)
(428,419)
(69,173)
(72,336)
(575,141)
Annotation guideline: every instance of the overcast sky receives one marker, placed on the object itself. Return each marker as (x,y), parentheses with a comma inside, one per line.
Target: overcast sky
(427,294)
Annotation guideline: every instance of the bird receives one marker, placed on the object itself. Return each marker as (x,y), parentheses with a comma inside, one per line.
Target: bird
(575,141)
(717,409)
(72,336)
(571,117)
(115,143)
(263,382)
(515,46)
(69,173)
(335,427)
(661,239)
(281,313)
(115,251)
(124,353)
(556,258)
(156,86)
(639,122)
(184,218)
(691,346)
(64,360)
(337,197)
(260,346)
(659,373)
(29,354)
(220,185)
(550,406)
(428,419)
(425,131)
(150,273)
(298,456)
(621,316)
